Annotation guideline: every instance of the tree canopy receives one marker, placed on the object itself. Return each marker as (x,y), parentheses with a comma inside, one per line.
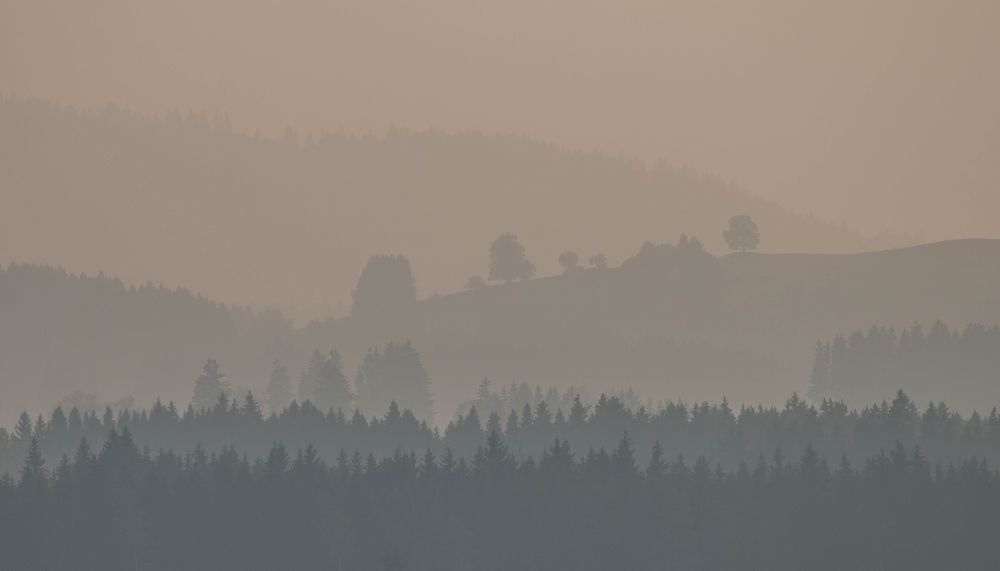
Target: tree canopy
(742,233)
(386,286)
(508,261)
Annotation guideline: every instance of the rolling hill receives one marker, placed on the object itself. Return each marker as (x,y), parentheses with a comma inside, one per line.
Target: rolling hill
(670,322)
(185,201)
(688,325)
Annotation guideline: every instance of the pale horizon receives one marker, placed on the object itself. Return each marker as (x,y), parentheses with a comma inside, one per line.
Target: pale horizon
(878,114)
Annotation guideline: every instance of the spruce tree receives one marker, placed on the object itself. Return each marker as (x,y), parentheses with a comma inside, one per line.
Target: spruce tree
(330,390)
(209,386)
(310,378)
(279,389)
(657,466)
(23,430)
(577,413)
(33,476)
(411,381)
(251,408)
(367,383)
(623,457)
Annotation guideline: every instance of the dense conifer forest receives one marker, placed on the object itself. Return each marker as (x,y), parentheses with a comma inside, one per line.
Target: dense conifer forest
(608,483)
(121,507)
(862,365)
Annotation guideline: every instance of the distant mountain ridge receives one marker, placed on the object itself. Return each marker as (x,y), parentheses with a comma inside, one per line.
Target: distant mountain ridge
(184,200)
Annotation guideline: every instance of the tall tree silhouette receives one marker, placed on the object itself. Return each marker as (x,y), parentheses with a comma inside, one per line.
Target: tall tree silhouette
(33,473)
(23,430)
(324,383)
(508,261)
(209,385)
(279,389)
(742,233)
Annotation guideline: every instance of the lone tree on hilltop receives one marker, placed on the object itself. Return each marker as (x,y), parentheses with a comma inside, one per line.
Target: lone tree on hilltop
(570,261)
(742,233)
(386,287)
(508,261)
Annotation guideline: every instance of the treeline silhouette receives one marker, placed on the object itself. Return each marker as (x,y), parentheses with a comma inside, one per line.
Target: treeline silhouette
(523,398)
(716,431)
(123,508)
(859,366)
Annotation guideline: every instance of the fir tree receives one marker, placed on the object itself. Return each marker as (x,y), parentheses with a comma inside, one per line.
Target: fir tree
(279,389)
(330,390)
(657,466)
(23,430)
(209,386)
(33,475)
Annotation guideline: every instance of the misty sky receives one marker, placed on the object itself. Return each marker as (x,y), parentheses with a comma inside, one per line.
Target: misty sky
(882,113)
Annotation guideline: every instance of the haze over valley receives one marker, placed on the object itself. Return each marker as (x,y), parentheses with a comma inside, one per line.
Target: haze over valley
(499,286)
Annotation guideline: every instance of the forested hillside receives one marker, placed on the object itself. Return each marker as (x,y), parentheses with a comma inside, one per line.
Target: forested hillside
(862,364)
(673,320)
(185,201)
(96,339)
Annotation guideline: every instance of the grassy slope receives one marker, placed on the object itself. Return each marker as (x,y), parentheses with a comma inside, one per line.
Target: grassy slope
(752,340)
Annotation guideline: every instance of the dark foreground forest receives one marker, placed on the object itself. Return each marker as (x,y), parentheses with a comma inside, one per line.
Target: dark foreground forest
(125,509)
(601,486)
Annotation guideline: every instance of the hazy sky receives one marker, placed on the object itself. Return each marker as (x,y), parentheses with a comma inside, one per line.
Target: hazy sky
(886,113)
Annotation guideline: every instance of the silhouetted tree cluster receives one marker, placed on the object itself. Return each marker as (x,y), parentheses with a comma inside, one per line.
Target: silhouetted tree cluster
(689,282)
(126,508)
(678,256)
(519,397)
(569,261)
(323,382)
(598,261)
(858,366)
(386,287)
(394,375)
